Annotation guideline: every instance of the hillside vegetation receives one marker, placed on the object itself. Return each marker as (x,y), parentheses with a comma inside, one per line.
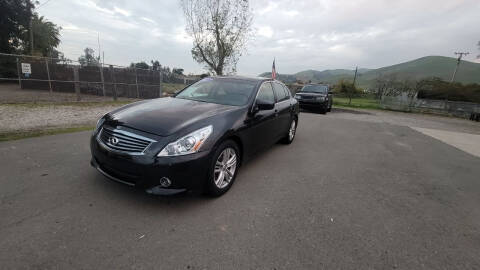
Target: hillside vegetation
(425,67)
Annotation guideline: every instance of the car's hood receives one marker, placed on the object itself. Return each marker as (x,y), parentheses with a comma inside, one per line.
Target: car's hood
(165,116)
(311,94)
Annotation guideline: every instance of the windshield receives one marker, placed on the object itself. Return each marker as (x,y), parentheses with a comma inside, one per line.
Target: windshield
(315,88)
(220,91)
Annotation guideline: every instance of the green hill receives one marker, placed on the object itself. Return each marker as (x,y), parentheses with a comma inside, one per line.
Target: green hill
(425,67)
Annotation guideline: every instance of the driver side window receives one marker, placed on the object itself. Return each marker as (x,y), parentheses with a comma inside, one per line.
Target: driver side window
(265,93)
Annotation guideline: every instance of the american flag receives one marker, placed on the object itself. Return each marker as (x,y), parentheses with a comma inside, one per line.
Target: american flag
(274,71)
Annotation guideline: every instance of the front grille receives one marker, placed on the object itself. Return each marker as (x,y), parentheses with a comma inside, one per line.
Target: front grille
(123,141)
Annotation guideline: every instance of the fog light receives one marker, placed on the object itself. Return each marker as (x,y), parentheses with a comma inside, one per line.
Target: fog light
(165,182)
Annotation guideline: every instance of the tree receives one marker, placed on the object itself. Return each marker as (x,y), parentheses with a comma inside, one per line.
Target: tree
(436,88)
(155,65)
(178,71)
(384,85)
(140,65)
(88,58)
(390,85)
(220,30)
(346,88)
(14,21)
(478,48)
(46,37)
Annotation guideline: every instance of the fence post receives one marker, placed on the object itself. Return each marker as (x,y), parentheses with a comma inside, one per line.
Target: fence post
(136,83)
(19,74)
(102,78)
(48,75)
(112,73)
(76,78)
(160,83)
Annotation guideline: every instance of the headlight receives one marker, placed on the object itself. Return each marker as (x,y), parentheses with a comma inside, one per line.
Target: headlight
(320,98)
(99,124)
(188,144)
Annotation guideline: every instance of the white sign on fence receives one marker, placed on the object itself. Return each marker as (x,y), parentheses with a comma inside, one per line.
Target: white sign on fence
(26,68)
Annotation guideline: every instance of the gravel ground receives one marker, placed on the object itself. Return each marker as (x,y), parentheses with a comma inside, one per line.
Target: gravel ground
(17,118)
(12,94)
(27,110)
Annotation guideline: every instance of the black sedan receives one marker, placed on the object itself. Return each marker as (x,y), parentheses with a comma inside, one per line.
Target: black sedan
(315,96)
(197,139)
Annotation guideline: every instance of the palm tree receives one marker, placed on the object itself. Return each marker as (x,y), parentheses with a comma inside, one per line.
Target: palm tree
(46,37)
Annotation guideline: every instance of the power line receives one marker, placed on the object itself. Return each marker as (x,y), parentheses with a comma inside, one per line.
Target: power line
(46,2)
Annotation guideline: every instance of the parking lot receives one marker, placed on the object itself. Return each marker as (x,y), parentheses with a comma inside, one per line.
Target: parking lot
(356,190)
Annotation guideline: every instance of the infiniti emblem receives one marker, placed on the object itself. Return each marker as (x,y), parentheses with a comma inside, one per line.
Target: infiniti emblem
(113,140)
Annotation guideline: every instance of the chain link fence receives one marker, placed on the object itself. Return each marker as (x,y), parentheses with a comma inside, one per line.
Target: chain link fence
(63,75)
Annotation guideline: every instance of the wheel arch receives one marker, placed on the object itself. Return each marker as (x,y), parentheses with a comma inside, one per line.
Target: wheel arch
(239,143)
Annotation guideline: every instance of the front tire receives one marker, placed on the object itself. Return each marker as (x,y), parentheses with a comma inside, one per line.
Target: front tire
(223,169)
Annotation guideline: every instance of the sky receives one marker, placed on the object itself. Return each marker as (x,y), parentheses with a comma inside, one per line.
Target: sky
(300,35)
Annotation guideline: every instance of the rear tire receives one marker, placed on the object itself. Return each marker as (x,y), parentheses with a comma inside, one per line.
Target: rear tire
(223,169)
(292,130)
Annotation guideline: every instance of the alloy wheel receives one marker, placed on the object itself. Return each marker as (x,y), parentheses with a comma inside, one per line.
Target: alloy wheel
(225,167)
(291,132)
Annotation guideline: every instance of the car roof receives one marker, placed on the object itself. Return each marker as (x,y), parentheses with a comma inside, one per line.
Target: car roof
(243,78)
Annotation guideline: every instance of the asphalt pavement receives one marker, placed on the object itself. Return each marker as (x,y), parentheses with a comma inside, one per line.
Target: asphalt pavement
(346,194)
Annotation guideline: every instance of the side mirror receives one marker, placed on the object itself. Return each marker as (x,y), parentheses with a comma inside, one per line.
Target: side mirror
(263,105)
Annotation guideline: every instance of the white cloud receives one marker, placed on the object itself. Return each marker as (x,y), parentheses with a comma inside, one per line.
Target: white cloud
(265,31)
(307,34)
(147,20)
(121,11)
(291,13)
(271,6)
(181,36)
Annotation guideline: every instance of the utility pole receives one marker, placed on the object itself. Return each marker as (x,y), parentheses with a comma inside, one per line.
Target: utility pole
(355,78)
(459,59)
(31,35)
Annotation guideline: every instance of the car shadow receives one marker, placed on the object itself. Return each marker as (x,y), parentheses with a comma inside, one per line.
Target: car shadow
(312,111)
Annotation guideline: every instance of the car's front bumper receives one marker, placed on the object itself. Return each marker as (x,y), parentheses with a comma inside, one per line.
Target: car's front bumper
(186,172)
(312,103)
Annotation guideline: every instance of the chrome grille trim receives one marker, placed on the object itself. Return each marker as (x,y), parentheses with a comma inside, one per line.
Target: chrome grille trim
(128,142)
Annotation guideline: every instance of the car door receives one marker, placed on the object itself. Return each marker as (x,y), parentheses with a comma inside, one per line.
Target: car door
(282,109)
(261,126)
